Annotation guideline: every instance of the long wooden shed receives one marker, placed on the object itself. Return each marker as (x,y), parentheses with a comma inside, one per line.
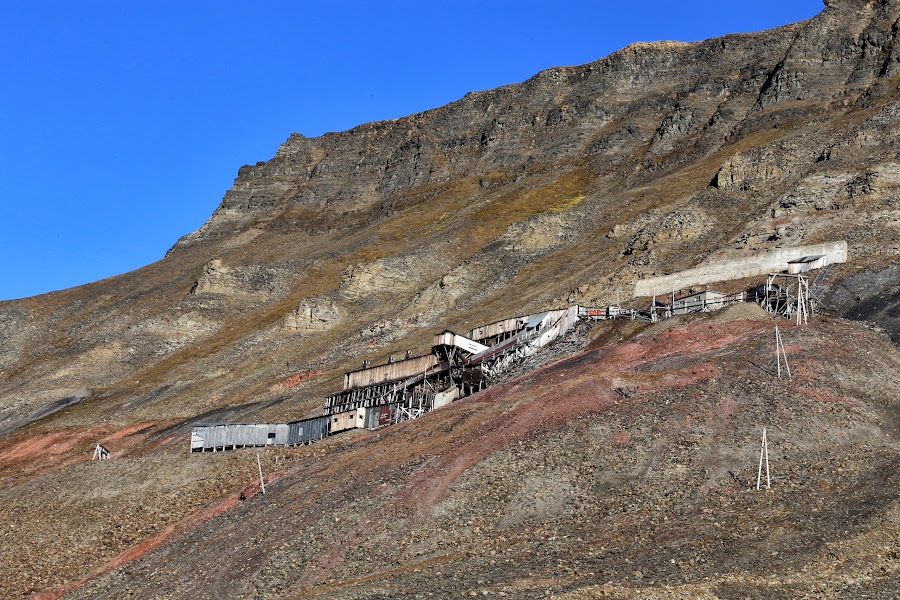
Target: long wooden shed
(392,371)
(214,436)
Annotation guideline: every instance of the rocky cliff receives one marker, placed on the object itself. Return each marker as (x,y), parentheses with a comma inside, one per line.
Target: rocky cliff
(568,187)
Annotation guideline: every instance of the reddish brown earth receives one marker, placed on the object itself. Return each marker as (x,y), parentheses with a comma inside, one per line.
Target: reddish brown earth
(555,481)
(38,451)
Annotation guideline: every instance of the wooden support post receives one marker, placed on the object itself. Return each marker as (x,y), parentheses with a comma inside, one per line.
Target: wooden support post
(262,483)
(802,300)
(100,453)
(763,457)
(780,352)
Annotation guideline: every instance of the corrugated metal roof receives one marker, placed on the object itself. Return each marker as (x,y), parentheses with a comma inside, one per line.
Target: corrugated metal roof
(807,259)
(536,320)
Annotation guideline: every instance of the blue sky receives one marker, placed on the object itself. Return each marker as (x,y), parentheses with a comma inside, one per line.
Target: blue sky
(122,123)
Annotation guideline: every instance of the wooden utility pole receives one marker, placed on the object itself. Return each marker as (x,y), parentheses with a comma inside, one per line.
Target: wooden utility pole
(763,457)
(262,483)
(802,300)
(780,352)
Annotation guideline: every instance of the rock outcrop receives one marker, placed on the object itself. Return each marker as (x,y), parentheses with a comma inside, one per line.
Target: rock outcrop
(314,314)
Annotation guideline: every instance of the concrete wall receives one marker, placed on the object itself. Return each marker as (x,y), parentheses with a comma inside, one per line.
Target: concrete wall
(771,261)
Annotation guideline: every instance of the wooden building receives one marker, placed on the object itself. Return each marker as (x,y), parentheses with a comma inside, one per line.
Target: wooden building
(392,371)
(704,301)
(498,331)
(376,396)
(351,419)
(215,436)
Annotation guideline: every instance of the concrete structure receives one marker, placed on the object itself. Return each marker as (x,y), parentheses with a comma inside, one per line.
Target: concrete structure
(807,263)
(775,260)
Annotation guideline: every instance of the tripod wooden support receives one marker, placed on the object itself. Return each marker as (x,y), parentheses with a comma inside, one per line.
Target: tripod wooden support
(763,457)
(780,352)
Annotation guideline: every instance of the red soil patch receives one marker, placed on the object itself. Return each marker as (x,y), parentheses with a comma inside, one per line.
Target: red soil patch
(698,337)
(134,440)
(804,371)
(545,413)
(137,427)
(695,374)
(144,547)
(35,452)
(826,396)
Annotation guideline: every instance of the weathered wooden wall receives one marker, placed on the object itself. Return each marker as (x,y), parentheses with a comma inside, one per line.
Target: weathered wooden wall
(390,372)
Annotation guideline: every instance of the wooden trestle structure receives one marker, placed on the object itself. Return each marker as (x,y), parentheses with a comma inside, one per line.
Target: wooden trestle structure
(458,365)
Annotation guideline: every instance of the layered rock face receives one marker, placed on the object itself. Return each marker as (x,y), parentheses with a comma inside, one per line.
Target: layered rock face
(568,187)
(643,110)
(744,142)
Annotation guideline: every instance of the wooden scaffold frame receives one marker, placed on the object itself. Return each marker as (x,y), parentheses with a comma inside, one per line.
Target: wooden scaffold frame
(780,353)
(763,458)
(778,300)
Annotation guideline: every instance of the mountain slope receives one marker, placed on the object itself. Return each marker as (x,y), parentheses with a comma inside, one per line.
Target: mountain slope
(359,244)
(555,481)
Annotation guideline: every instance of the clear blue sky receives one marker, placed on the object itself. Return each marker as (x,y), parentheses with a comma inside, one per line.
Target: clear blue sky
(122,123)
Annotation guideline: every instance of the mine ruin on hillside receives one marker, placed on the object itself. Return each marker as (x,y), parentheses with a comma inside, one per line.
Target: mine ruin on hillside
(461,365)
